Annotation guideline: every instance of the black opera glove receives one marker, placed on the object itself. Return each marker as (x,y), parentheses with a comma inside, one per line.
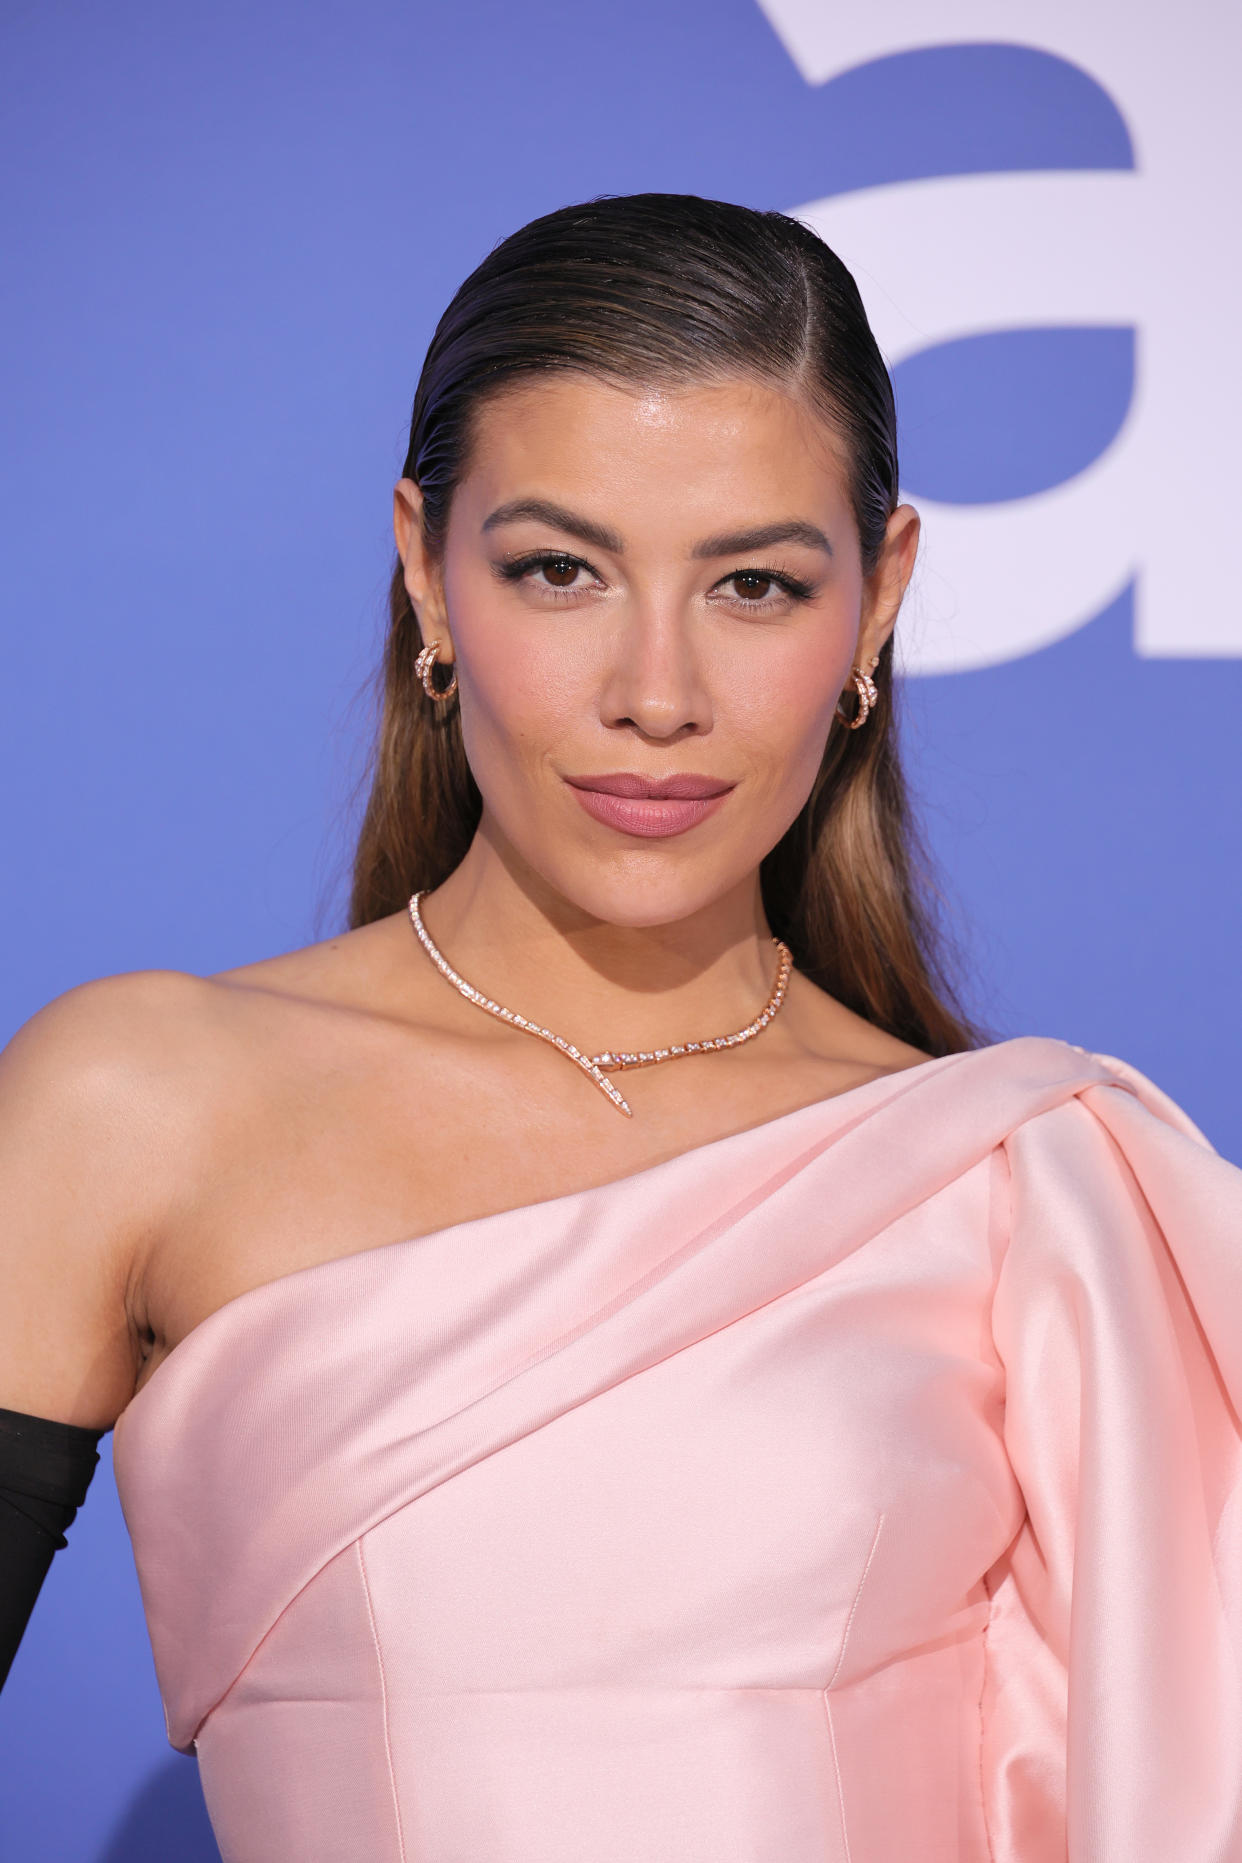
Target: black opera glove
(45,1470)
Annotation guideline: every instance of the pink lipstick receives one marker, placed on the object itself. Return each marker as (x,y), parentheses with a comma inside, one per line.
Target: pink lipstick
(646,805)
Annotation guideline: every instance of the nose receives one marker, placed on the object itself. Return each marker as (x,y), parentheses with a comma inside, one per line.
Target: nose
(655,683)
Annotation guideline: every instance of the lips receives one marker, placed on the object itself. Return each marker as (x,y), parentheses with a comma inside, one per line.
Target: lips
(684,788)
(649,806)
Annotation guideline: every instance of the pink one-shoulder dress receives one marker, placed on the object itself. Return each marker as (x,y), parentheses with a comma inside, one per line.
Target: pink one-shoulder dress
(861,1488)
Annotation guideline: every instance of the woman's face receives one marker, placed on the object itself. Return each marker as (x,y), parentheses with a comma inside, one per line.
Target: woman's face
(649,588)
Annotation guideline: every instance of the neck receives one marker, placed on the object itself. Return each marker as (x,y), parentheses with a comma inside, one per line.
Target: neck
(603,985)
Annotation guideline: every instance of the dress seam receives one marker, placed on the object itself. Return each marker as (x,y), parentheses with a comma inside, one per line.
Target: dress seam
(824,1692)
(858,1592)
(836,1769)
(379,1661)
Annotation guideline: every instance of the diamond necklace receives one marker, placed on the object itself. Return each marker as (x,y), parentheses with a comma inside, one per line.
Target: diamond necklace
(593,1065)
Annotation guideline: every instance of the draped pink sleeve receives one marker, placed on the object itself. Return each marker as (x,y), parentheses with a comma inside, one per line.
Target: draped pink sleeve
(1112,1723)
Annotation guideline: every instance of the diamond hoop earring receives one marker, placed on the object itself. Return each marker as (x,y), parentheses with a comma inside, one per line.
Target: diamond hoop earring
(423,667)
(868,699)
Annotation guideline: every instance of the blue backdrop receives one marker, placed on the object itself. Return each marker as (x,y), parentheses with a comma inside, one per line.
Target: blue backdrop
(229,231)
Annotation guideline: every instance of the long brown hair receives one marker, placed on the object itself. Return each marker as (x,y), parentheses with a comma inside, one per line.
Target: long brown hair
(670,288)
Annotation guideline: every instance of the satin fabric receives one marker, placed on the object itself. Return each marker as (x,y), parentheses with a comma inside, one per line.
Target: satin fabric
(860,1487)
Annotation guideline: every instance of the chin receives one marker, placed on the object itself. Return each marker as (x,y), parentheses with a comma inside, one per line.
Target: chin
(639,899)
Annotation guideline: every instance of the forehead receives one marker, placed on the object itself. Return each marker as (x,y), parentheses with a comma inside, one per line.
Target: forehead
(677,457)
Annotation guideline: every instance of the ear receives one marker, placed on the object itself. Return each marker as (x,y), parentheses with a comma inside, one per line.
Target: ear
(424,581)
(884,588)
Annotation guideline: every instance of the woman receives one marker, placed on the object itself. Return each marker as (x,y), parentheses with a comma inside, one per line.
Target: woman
(602,1367)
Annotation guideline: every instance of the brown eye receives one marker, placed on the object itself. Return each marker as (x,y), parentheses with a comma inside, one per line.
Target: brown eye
(560,571)
(752,585)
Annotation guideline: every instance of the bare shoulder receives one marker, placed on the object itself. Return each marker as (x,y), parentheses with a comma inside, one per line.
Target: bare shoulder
(94,1115)
(91,1054)
(128,1065)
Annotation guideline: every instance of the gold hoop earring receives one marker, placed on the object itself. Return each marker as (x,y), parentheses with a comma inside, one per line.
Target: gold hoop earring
(423,667)
(868,699)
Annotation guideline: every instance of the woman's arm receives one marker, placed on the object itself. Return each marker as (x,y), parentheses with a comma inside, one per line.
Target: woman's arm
(45,1470)
(86,1172)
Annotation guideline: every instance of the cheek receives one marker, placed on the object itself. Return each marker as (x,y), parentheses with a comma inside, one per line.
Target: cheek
(781,710)
(522,681)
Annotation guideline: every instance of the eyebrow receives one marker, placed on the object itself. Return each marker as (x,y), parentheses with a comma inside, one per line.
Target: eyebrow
(762,536)
(560,518)
(730,543)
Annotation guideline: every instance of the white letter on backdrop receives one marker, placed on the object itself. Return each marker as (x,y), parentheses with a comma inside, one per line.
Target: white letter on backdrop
(943,258)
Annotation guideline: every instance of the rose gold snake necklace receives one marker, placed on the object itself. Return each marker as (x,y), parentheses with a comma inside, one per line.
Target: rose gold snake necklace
(593,1065)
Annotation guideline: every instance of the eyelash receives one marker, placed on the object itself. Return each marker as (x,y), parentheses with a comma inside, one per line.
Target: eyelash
(515,569)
